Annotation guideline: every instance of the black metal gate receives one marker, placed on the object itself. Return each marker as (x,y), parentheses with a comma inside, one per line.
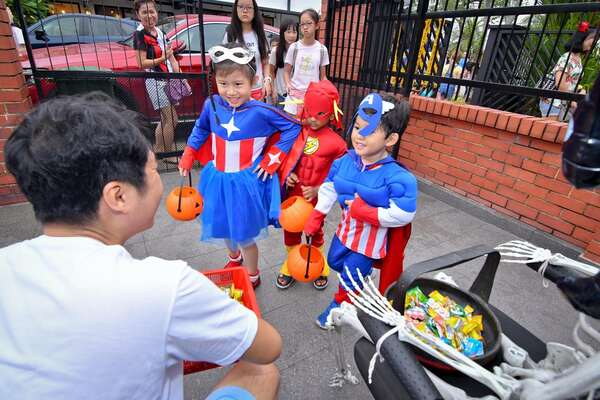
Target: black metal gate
(488,52)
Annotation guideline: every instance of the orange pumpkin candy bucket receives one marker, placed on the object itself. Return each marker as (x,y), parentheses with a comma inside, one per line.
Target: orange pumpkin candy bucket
(184,203)
(305,262)
(294,213)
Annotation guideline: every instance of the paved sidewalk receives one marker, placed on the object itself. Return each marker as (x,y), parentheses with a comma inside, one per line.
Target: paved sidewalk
(307,361)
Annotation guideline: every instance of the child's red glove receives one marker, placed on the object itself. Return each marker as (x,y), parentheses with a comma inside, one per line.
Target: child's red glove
(363,212)
(272,160)
(187,159)
(314,223)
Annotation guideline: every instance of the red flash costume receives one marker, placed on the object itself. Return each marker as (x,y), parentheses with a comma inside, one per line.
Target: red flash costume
(315,151)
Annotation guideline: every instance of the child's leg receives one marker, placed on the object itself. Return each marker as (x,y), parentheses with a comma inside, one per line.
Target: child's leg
(250,254)
(321,282)
(284,279)
(235,255)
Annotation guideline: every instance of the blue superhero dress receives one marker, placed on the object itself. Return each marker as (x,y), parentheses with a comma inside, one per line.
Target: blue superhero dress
(238,206)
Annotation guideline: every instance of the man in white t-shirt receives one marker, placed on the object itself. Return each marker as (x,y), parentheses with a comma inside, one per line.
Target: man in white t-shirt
(80,318)
(17,33)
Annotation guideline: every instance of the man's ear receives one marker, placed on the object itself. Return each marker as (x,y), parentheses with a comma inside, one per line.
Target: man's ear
(115,196)
(392,139)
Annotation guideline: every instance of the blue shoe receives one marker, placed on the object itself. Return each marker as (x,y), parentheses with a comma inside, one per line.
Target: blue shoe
(323,320)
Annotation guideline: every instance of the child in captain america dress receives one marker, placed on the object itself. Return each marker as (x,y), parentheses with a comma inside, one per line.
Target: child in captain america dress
(317,147)
(374,191)
(245,141)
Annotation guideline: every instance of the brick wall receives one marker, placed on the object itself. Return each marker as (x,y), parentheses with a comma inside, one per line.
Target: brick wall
(14,102)
(508,162)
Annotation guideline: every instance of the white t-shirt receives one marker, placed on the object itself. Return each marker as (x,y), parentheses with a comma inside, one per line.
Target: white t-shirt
(306,68)
(251,41)
(18,35)
(83,320)
(279,80)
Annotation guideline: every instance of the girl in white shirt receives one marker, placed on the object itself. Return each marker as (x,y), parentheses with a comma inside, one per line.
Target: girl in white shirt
(288,33)
(247,27)
(305,61)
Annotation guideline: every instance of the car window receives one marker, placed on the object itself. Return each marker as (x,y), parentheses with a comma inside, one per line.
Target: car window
(64,26)
(213,35)
(101,27)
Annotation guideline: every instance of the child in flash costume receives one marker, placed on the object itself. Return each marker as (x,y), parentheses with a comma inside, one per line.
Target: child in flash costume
(313,153)
(373,198)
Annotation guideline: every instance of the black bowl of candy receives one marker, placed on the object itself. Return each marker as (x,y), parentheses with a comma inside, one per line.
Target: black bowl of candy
(457,317)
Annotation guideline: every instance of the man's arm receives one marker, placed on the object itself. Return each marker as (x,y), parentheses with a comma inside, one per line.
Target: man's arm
(266,346)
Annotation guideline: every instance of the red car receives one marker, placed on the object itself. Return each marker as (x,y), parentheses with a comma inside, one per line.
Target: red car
(120,57)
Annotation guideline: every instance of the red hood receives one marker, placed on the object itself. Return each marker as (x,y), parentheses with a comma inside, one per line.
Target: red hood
(107,55)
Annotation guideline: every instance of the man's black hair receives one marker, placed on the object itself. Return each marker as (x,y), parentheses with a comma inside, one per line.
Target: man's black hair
(67,149)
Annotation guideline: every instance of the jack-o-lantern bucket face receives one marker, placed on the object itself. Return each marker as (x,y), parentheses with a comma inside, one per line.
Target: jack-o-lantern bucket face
(294,213)
(190,206)
(297,263)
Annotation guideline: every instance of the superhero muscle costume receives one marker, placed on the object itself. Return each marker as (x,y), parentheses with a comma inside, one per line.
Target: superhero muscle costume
(238,206)
(383,194)
(312,155)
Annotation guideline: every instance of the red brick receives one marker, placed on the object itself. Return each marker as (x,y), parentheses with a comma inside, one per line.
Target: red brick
(495,143)
(422,142)
(551,132)
(467,187)
(511,159)
(459,173)
(429,154)
(470,137)
(7,179)
(545,146)
(552,184)
(438,166)
(513,122)
(500,178)
(561,134)
(531,189)
(536,224)
(493,197)
(490,164)
(435,137)
(14,108)
(408,146)
(421,123)
(580,220)
(472,113)
(522,209)
(590,256)
(438,108)
(481,150)
(441,148)
(527,152)
(552,159)
(511,193)
(447,179)
(481,117)
(409,163)
(455,162)
(13,95)
(587,196)
(525,126)
(492,117)
(555,223)
(456,190)
(10,119)
(499,155)
(538,128)
(10,69)
(566,202)
(430,106)
(543,169)
(9,56)
(505,211)
(446,106)
(454,110)
(593,247)
(592,212)
(446,130)
(570,239)
(12,82)
(483,182)
(543,206)
(462,113)
(455,142)
(519,173)
(582,234)
(479,200)
(464,155)
(502,121)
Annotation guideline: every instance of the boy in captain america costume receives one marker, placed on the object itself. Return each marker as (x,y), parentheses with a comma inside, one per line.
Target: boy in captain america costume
(313,153)
(375,192)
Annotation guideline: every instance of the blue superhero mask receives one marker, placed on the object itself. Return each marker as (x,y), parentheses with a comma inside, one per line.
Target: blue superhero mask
(371,109)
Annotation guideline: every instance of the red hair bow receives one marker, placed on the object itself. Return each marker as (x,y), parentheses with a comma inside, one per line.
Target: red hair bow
(584,26)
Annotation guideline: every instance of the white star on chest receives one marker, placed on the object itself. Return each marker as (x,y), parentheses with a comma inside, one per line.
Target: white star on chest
(230,127)
(274,159)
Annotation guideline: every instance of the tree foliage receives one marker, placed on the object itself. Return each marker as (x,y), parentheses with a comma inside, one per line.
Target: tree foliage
(33,10)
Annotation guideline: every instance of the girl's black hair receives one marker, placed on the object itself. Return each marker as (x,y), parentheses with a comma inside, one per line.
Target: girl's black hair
(281,48)
(314,15)
(575,44)
(235,32)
